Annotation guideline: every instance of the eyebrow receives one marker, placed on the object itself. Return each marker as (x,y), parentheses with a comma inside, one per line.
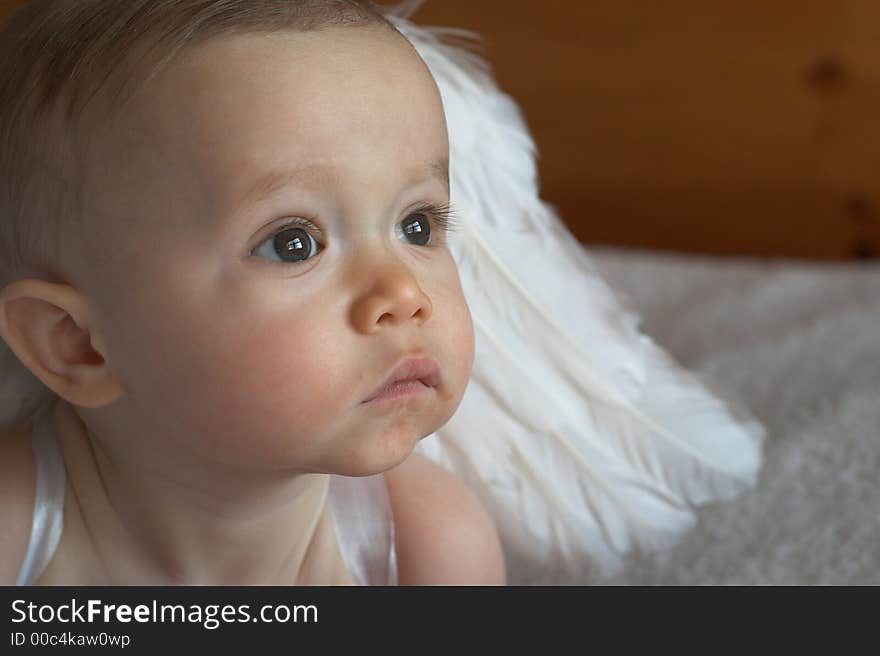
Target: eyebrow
(268,184)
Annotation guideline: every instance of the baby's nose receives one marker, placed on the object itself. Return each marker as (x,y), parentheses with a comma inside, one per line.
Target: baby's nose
(393,298)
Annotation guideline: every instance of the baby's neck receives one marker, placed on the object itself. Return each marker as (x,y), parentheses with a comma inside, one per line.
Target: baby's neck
(147,528)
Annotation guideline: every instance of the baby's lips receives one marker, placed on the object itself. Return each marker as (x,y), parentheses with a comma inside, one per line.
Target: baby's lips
(414,367)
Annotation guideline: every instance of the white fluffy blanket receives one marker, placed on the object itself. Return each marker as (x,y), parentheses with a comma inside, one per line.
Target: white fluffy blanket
(799,343)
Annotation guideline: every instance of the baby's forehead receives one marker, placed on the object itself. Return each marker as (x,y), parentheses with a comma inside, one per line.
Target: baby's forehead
(315,65)
(251,53)
(229,65)
(328,46)
(254,103)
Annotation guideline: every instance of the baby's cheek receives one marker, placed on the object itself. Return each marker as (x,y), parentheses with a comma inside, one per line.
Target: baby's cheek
(279,385)
(459,327)
(455,328)
(244,392)
(465,338)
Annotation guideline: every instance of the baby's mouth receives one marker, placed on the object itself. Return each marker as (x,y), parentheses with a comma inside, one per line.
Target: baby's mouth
(414,375)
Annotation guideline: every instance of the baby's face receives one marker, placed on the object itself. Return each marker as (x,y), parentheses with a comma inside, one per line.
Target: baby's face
(241,348)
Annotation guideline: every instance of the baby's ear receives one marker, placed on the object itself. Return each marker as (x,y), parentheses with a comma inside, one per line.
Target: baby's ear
(50,329)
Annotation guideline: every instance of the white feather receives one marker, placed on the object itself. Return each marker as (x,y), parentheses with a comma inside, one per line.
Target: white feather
(584,439)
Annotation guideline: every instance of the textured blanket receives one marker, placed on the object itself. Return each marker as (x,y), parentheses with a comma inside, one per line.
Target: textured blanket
(799,344)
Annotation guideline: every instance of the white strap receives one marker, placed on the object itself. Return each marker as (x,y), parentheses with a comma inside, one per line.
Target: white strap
(361,514)
(49,503)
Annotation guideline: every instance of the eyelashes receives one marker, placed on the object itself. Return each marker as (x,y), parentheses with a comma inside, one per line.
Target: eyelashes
(443,215)
(442,219)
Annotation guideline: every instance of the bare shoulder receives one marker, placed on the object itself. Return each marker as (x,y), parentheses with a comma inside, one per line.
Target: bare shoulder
(444,534)
(17,492)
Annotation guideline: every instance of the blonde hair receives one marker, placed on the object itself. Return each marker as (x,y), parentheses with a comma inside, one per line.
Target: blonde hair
(56,57)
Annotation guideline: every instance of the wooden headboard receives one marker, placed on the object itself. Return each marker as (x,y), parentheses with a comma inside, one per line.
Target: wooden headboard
(724,127)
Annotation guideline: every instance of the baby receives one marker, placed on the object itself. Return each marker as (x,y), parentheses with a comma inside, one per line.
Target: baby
(237,247)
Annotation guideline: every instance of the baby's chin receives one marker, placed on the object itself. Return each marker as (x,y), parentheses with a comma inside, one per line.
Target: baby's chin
(375,447)
(376,454)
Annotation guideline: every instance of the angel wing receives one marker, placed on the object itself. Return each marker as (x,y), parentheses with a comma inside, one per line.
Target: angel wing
(584,439)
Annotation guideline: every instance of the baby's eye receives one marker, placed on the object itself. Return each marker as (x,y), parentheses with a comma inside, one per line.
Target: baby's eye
(416,228)
(291,244)
(294,242)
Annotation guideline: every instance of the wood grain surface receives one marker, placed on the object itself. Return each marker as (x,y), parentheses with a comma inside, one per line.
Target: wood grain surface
(726,127)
